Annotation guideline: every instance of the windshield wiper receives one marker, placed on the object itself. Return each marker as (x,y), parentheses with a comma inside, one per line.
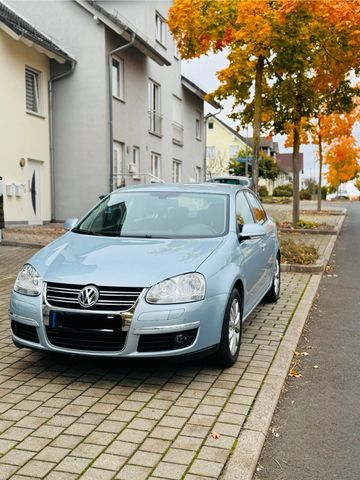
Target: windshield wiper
(85,232)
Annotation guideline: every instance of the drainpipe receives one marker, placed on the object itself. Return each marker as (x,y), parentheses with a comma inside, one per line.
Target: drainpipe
(51,133)
(111,134)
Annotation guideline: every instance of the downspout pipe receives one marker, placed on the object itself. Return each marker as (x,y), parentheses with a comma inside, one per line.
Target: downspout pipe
(51,132)
(111,127)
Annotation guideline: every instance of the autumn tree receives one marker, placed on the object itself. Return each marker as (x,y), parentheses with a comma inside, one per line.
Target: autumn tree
(342,159)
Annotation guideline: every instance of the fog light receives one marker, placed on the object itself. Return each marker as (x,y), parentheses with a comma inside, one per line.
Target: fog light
(181,338)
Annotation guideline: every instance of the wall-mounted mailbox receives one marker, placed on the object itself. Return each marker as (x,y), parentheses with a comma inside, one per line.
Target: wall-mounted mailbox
(20,190)
(10,189)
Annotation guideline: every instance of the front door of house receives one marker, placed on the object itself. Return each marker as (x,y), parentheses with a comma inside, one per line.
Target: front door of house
(34,192)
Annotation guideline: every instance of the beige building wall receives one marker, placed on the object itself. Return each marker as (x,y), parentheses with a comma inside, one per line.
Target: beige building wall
(24,137)
(219,142)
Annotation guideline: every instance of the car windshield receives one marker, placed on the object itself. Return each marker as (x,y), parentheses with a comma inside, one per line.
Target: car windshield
(159,214)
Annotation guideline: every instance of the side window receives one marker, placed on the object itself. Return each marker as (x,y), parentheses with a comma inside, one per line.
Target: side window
(257,209)
(242,209)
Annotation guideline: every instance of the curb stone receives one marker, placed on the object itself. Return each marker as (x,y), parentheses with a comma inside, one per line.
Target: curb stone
(242,464)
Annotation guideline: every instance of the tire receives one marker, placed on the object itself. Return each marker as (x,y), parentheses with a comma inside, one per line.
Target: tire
(273,294)
(230,341)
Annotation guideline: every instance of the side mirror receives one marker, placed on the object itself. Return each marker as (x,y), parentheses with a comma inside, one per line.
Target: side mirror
(102,195)
(70,223)
(251,230)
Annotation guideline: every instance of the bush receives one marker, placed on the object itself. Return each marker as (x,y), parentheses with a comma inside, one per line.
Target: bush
(283,191)
(305,195)
(263,191)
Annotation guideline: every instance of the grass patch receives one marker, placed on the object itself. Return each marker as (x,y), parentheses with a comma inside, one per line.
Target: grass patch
(298,252)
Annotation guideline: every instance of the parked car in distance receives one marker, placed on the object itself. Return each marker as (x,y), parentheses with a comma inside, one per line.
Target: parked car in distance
(232,180)
(151,271)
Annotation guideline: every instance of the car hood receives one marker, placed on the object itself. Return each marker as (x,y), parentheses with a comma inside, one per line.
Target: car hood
(83,259)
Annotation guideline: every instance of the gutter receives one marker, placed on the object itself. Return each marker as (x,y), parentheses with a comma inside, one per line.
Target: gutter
(111,127)
(51,132)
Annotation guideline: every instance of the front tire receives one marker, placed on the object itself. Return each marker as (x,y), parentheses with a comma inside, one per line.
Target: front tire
(231,332)
(273,294)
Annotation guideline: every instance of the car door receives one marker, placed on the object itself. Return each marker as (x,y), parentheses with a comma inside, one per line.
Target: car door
(267,246)
(248,259)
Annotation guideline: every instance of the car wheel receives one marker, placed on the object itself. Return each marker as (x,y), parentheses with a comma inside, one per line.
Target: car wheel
(274,293)
(231,332)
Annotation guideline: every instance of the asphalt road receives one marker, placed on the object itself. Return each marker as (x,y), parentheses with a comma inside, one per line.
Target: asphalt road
(315,433)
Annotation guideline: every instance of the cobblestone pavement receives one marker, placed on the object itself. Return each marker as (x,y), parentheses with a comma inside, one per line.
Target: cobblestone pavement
(67,418)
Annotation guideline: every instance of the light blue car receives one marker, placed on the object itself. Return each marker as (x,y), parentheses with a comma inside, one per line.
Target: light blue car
(151,271)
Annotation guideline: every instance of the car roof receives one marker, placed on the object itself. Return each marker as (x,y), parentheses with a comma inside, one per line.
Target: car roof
(222,188)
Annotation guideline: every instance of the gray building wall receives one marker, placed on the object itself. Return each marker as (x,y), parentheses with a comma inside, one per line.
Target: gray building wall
(80,107)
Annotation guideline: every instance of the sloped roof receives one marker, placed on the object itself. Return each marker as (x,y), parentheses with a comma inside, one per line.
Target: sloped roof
(119,26)
(285,161)
(19,29)
(264,142)
(198,91)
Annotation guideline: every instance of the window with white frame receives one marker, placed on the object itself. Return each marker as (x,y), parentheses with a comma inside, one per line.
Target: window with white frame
(176,50)
(32,90)
(177,123)
(234,151)
(118,159)
(198,127)
(210,152)
(160,29)
(155,107)
(136,160)
(197,174)
(176,171)
(155,166)
(117,73)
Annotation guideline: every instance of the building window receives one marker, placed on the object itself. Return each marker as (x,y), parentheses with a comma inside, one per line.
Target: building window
(234,151)
(135,165)
(32,89)
(198,174)
(176,51)
(211,125)
(198,124)
(160,29)
(155,108)
(117,73)
(118,157)
(210,152)
(155,166)
(176,172)
(177,123)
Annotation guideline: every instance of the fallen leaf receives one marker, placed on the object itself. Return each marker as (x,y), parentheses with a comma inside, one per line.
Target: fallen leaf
(215,435)
(294,373)
(302,354)
(316,366)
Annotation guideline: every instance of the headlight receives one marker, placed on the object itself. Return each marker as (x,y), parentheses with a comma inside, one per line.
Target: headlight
(189,287)
(28,281)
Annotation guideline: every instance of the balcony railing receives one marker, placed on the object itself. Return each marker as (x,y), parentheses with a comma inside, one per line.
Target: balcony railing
(177,133)
(155,125)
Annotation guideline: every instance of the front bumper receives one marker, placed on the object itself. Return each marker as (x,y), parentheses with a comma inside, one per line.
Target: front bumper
(147,330)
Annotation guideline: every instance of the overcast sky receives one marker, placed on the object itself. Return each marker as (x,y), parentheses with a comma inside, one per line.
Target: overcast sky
(202,71)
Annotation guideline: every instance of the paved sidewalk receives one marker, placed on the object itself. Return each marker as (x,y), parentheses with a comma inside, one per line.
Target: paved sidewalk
(66,418)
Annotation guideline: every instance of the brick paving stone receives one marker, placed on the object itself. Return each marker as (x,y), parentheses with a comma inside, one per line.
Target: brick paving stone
(175,455)
(73,464)
(17,457)
(155,445)
(96,473)
(187,443)
(108,461)
(119,448)
(133,471)
(208,469)
(145,459)
(7,470)
(36,468)
(87,450)
(57,475)
(52,454)
(169,470)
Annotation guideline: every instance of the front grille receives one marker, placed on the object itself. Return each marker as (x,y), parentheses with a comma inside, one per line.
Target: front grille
(26,332)
(111,299)
(93,332)
(166,341)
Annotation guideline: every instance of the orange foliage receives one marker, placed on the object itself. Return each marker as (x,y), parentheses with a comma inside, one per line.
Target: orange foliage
(342,158)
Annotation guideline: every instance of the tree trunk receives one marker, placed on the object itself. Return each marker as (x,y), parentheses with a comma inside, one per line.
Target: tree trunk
(320,169)
(257,122)
(296,171)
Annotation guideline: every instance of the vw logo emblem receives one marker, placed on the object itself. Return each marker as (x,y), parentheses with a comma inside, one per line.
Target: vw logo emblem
(88,296)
